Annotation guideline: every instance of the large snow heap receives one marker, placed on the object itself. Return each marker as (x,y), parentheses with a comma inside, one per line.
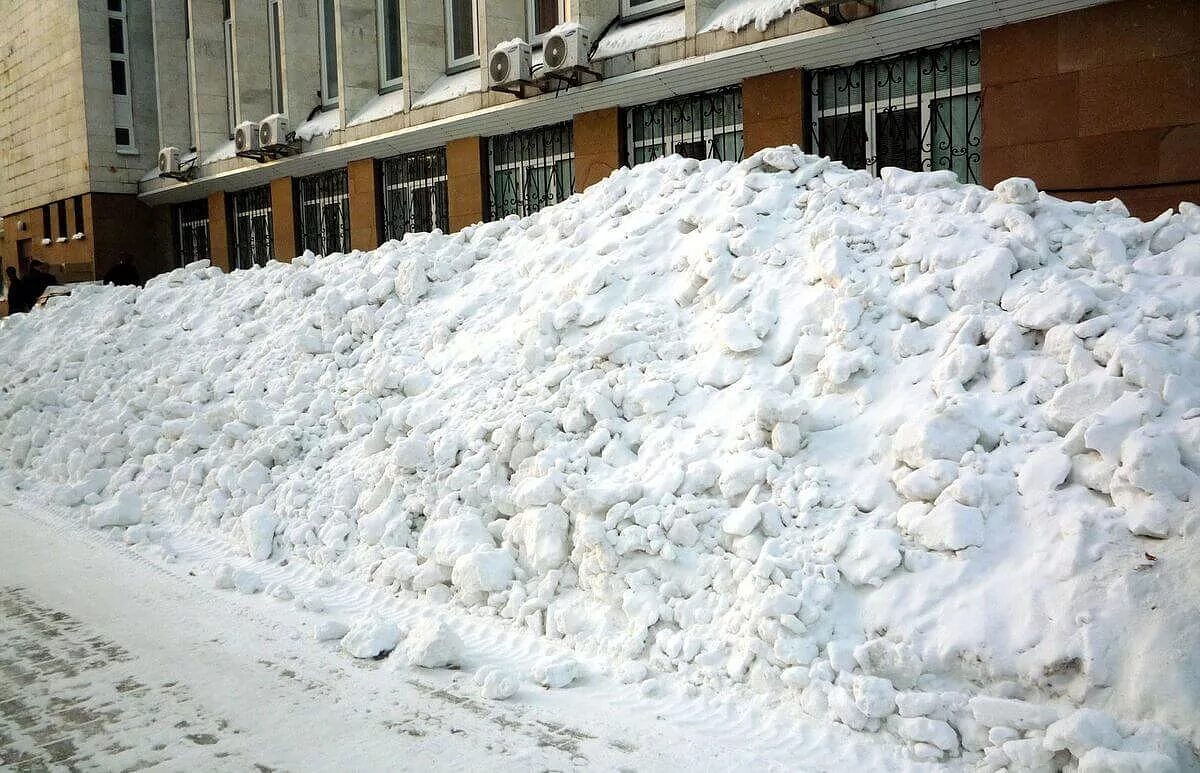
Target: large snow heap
(919,456)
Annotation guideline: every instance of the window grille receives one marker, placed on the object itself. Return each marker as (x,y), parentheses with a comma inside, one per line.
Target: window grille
(705,125)
(919,111)
(531,169)
(191,232)
(414,193)
(324,202)
(252,228)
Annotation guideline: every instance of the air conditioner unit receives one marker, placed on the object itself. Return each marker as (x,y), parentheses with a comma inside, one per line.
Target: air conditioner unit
(245,137)
(510,62)
(273,131)
(168,161)
(566,48)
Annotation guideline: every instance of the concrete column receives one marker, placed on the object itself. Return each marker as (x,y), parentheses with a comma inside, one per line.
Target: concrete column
(423,49)
(597,146)
(364,204)
(218,231)
(252,58)
(301,58)
(283,219)
(593,14)
(464,181)
(499,21)
(774,110)
(358,55)
(206,49)
(174,103)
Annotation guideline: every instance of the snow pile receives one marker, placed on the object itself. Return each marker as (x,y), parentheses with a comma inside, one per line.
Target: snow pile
(920,457)
(735,15)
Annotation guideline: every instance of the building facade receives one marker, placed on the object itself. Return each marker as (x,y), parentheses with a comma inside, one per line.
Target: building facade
(395,122)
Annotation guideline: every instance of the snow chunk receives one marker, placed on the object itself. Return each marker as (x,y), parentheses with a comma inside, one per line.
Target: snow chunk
(948,526)
(926,438)
(555,672)
(1010,712)
(870,556)
(125,510)
(371,637)
(1081,731)
(497,684)
(483,571)
(1110,761)
(258,524)
(433,644)
(330,630)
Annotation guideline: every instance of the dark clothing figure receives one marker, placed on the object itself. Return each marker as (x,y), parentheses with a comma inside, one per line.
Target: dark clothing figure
(36,282)
(123,273)
(18,293)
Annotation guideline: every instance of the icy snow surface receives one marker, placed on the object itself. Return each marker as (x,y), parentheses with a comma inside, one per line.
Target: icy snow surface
(380,106)
(643,33)
(450,87)
(918,457)
(322,125)
(733,15)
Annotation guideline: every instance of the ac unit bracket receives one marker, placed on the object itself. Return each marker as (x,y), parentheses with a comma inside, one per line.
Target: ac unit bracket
(521,89)
(575,76)
(187,171)
(274,152)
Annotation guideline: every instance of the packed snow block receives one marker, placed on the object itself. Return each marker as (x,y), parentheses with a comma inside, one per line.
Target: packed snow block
(928,437)
(371,637)
(555,672)
(1011,712)
(1044,471)
(247,581)
(540,535)
(445,540)
(1057,302)
(934,732)
(1028,754)
(874,696)
(1112,761)
(1077,400)
(985,277)
(497,684)
(1081,731)
(125,510)
(330,630)
(948,526)
(433,644)
(1017,190)
(870,556)
(258,524)
(897,662)
(1150,460)
(484,571)
(926,483)
(911,183)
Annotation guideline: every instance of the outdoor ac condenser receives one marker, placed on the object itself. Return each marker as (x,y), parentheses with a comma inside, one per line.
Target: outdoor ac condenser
(510,62)
(168,161)
(245,137)
(567,48)
(273,131)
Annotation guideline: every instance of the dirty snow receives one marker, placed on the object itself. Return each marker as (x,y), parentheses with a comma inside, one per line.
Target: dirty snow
(776,427)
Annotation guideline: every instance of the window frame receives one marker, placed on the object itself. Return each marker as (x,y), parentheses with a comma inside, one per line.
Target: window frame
(536,39)
(461,63)
(649,8)
(230,71)
(327,102)
(387,84)
(324,192)
(523,166)
(709,134)
(275,51)
(433,184)
(122,103)
(247,209)
(190,223)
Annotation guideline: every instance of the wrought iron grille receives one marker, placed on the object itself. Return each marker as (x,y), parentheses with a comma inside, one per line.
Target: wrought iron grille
(324,206)
(252,229)
(919,111)
(704,125)
(191,232)
(531,169)
(414,193)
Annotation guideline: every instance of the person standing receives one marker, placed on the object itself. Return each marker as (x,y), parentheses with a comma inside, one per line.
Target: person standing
(123,272)
(18,293)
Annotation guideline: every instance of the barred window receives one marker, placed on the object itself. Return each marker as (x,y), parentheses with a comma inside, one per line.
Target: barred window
(324,206)
(530,170)
(191,232)
(415,197)
(252,227)
(918,111)
(705,125)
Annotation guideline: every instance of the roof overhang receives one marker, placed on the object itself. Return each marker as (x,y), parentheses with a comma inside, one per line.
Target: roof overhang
(892,32)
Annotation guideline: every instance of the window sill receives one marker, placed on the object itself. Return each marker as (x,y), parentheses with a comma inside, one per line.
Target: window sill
(390,88)
(638,15)
(463,66)
(127,151)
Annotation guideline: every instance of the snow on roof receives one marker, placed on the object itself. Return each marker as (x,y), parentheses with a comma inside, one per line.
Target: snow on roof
(223,151)
(381,106)
(734,15)
(322,125)
(450,87)
(654,31)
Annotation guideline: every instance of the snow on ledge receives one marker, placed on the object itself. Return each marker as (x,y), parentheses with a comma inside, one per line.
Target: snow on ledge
(322,125)
(224,151)
(380,106)
(450,87)
(735,15)
(653,31)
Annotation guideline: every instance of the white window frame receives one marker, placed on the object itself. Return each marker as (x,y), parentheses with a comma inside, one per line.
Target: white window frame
(629,11)
(462,62)
(386,83)
(123,103)
(322,42)
(274,41)
(531,18)
(230,76)
(923,100)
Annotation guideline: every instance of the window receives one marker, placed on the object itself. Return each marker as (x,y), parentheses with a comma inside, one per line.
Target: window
(230,71)
(191,232)
(62,219)
(275,41)
(917,111)
(324,203)
(543,15)
(706,125)
(118,56)
(252,228)
(77,205)
(460,34)
(329,58)
(530,170)
(414,193)
(635,8)
(389,44)
(46,222)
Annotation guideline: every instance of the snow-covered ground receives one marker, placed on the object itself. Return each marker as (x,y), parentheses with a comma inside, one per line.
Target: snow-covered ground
(901,456)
